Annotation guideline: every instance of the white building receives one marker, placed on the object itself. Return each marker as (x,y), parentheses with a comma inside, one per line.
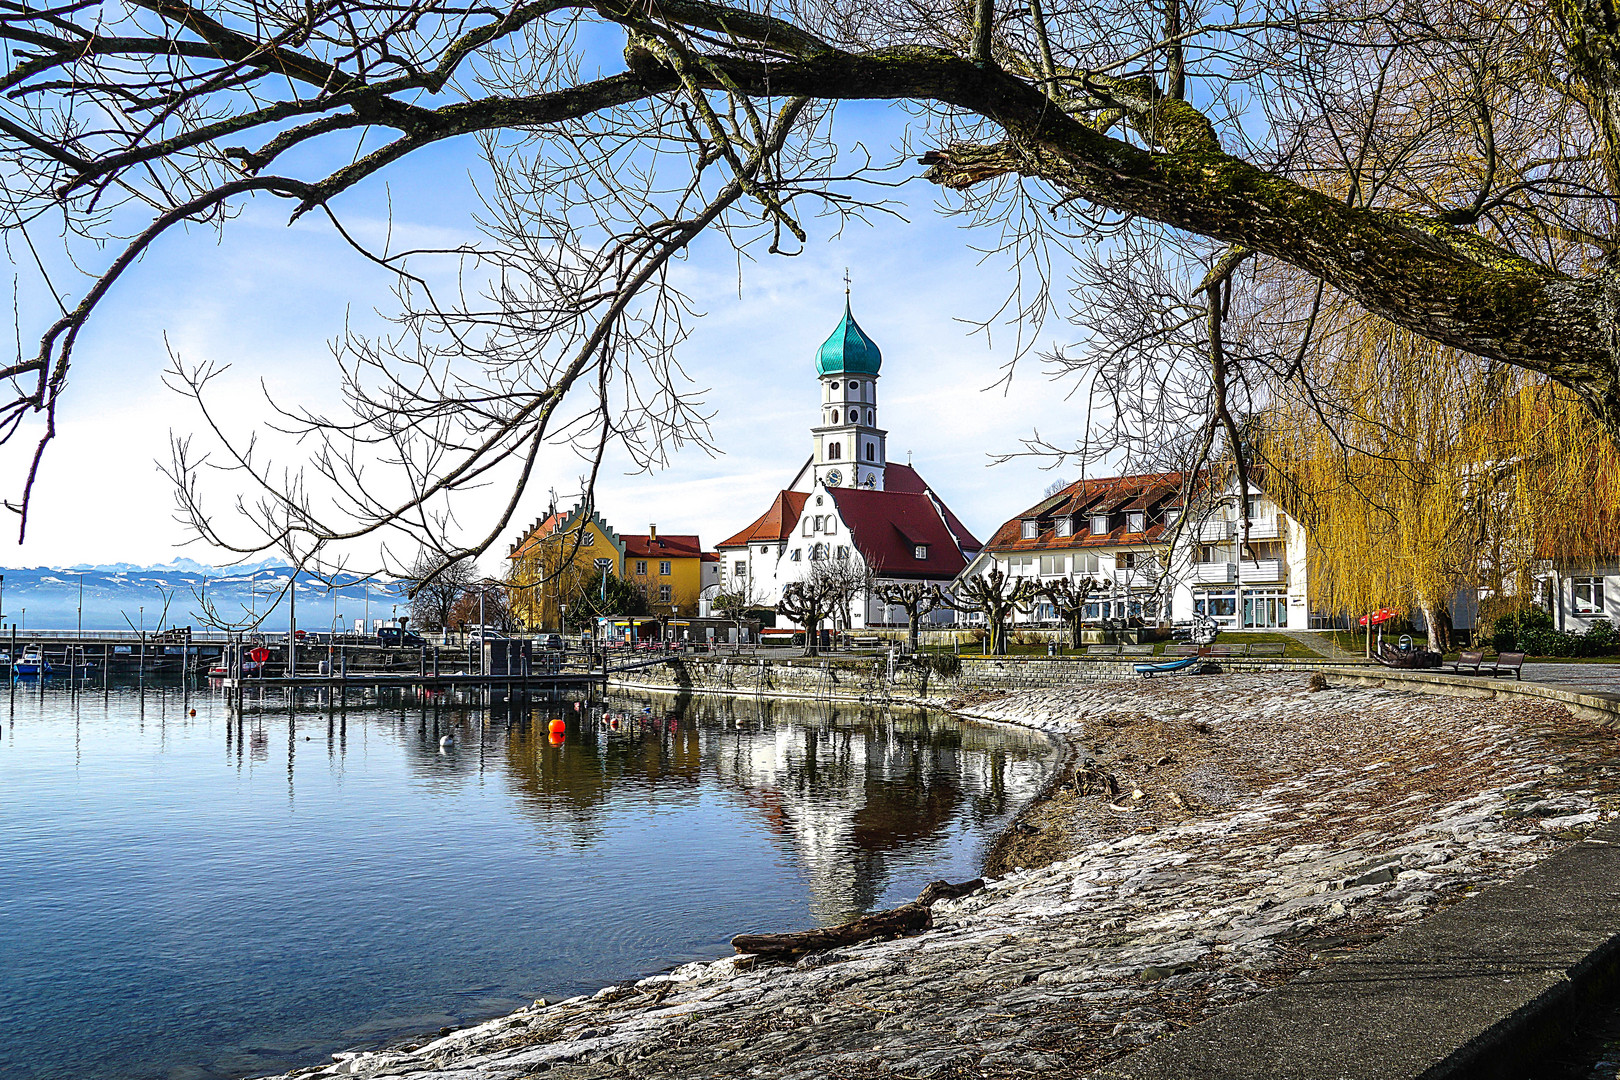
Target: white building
(1579,595)
(1119,530)
(849,503)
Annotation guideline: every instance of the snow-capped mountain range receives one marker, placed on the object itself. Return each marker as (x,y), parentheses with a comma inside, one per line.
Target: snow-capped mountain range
(119,596)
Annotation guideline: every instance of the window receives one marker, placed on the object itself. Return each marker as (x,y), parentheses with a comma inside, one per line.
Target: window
(854,386)
(1209,553)
(764,551)
(663,594)
(1171,516)
(1218,604)
(1099,524)
(1135,521)
(1064,526)
(641,568)
(871,451)
(868,416)
(1054,564)
(819,551)
(832,523)
(1086,563)
(795,555)
(854,416)
(834,451)
(663,568)
(1588,595)
(589,541)
(1252,506)
(1021,566)
(1265,607)
(1029,530)
(843,552)
(920,552)
(741,569)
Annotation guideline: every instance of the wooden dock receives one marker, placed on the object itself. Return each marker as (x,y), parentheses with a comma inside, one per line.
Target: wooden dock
(363,680)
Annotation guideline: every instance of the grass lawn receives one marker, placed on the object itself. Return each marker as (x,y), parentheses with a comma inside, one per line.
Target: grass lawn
(1292,649)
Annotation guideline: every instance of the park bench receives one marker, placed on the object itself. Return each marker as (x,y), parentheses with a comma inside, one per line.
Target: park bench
(866,641)
(1181,650)
(1136,650)
(1102,650)
(1225,650)
(1267,648)
(1469,660)
(1509,661)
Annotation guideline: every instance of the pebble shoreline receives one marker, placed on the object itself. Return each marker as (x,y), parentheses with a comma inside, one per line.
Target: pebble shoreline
(1257,830)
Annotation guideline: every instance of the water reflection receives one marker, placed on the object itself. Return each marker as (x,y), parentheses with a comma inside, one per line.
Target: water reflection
(322,872)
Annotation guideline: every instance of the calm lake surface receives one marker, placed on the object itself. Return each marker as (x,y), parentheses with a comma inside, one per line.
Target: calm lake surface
(188,897)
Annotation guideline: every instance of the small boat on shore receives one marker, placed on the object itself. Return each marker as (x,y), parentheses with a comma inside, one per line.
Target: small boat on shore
(1189,664)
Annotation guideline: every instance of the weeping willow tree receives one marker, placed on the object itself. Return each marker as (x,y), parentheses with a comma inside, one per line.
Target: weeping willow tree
(1420,472)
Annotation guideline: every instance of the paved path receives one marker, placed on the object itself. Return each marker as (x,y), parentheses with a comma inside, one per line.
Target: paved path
(1322,643)
(1602,677)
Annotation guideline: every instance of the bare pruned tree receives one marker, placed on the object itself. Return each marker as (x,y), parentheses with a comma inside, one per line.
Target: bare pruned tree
(1453,171)
(808,602)
(997,597)
(916,599)
(1069,597)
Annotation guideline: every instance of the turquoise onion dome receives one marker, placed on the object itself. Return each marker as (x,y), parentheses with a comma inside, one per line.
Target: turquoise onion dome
(848,350)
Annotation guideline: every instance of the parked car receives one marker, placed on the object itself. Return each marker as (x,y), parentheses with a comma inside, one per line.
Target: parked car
(399,636)
(554,642)
(477,634)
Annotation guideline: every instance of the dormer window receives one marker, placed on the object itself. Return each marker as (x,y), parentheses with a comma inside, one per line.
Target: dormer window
(920,552)
(1135,520)
(1171,516)
(1064,526)
(1099,524)
(1029,530)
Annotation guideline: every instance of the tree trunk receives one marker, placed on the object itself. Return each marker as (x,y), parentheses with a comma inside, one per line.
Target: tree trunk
(912,918)
(913,631)
(1077,629)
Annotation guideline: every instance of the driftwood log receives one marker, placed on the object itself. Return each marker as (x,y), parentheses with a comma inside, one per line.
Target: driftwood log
(912,918)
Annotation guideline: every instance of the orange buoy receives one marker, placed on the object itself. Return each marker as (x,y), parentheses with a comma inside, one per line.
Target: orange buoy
(193,712)
(558,726)
(555,738)
(614,723)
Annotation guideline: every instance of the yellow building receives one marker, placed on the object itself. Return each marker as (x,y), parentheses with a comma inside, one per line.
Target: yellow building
(667,568)
(556,560)
(564,554)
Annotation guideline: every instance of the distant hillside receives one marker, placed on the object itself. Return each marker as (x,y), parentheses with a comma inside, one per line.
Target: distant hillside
(47,598)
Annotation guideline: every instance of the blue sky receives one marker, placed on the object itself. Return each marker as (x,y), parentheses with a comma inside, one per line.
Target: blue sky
(267,299)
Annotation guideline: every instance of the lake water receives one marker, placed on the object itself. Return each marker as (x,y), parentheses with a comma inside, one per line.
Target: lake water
(188,897)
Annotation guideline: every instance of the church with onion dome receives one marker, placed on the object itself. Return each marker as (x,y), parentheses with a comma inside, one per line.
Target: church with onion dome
(849,501)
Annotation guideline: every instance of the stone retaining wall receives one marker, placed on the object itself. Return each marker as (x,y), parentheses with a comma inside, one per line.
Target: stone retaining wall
(866,678)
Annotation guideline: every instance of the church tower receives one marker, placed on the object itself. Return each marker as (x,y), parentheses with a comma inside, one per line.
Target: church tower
(850,449)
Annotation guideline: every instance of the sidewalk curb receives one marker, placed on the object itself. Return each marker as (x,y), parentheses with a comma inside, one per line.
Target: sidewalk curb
(1482,990)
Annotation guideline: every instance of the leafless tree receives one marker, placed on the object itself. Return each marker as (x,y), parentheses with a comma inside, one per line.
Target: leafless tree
(1452,170)
(1069,597)
(808,602)
(997,597)
(435,588)
(916,599)
(846,581)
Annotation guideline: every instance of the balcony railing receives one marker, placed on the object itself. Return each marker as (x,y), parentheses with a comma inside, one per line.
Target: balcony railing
(1255,572)
(1140,576)
(1213,532)
(1216,573)
(1260,528)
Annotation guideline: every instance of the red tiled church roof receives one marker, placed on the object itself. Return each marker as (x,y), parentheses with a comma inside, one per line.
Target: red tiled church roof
(774,524)
(888,526)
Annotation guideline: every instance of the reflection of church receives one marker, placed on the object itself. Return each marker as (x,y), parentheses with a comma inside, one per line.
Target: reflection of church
(849,503)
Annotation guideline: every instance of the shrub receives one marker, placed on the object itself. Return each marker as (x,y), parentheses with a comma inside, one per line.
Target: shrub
(1531,631)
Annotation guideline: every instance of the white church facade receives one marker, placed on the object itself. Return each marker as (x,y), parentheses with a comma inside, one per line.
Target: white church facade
(849,503)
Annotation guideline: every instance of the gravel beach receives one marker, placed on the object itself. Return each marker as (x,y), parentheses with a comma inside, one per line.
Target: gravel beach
(1212,838)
